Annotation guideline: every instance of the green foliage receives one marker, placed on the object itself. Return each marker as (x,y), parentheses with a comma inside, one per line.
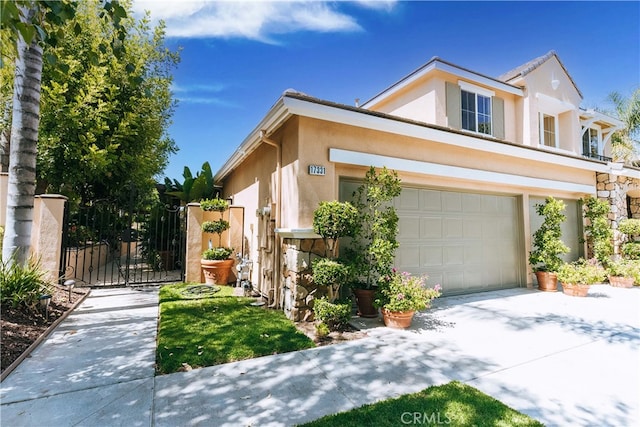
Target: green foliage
(327,272)
(104,121)
(598,229)
(219,253)
(631,250)
(335,315)
(22,284)
(333,220)
(219,329)
(625,141)
(629,226)
(322,330)
(404,292)
(193,188)
(451,404)
(216,227)
(214,205)
(547,242)
(582,272)
(625,268)
(373,247)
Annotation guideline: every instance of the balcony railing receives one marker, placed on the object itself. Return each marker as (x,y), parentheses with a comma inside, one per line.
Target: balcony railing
(597,157)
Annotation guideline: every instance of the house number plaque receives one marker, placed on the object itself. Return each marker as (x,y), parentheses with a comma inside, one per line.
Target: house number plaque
(317,170)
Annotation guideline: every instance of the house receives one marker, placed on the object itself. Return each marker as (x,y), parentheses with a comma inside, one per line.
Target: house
(474,153)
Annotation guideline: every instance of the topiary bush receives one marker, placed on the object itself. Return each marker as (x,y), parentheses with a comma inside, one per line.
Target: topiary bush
(598,229)
(335,315)
(547,243)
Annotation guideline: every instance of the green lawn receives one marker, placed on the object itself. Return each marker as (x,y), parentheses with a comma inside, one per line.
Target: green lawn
(452,404)
(219,329)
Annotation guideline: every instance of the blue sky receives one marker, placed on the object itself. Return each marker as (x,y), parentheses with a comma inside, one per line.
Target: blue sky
(239,57)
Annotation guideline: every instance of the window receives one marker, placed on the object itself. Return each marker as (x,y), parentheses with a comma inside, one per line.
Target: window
(591,143)
(548,131)
(476,112)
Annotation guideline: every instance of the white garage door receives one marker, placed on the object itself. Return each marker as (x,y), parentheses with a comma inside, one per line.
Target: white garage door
(467,242)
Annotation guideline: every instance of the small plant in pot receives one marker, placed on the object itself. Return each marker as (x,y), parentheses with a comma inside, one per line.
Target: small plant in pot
(623,273)
(547,244)
(400,295)
(372,250)
(576,277)
(215,262)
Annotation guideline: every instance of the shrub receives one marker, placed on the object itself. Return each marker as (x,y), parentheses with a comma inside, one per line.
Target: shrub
(631,250)
(335,315)
(598,228)
(217,253)
(629,226)
(582,272)
(215,227)
(22,285)
(546,240)
(327,272)
(333,220)
(624,268)
(404,292)
(214,205)
(322,330)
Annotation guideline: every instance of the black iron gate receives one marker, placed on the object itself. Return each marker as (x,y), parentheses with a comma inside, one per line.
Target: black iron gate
(108,245)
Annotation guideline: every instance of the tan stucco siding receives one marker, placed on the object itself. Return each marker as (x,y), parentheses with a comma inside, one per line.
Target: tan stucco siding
(317,137)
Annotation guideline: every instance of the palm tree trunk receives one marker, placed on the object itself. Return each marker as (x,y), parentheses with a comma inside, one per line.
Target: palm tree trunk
(23,149)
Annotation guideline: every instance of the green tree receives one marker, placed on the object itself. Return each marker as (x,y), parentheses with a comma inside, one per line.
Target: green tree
(193,188)
(28,27)
(104,122)
(627,109)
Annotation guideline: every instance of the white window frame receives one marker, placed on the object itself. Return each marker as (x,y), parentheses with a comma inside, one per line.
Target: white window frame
(598,130)
(477,90)
(555,130)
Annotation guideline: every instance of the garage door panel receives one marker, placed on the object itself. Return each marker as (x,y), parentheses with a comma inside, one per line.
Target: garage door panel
(409,228)
(430,228)
(430,256)
(409,200)
(467,241)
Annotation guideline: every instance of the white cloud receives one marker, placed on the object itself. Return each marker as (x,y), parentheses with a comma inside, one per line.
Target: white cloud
(196,87)
(256,20)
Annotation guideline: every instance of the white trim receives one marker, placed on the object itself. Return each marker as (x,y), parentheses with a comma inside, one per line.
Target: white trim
(438,65)
(541,135)
(468,87)
(365,159)
(551,105)
(297,233)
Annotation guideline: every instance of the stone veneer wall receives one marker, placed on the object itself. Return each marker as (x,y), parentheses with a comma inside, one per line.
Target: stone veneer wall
(299,290)
(613,189)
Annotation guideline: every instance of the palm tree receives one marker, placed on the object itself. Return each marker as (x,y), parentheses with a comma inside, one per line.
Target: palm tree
(625,142)
(24,139)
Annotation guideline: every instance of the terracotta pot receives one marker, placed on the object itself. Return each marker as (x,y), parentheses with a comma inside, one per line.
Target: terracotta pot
(575,290)
(216,272)
(364,299)
(397,319)
(621,282)
(547,281)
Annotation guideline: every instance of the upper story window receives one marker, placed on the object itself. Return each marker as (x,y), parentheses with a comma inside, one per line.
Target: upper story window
(476,112)
(591,142)
(548,133)
(475,109)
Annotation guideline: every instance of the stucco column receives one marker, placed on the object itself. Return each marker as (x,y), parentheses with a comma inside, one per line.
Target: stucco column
(46,233)
(193,272)
(4,184)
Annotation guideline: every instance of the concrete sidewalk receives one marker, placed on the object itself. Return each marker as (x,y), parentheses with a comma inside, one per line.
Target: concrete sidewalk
(563,360)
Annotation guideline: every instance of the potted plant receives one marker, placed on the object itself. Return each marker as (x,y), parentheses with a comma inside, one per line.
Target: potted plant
(630,227)
(215,262)
(371,253)
(400,295)
(548,246)
(576,277)
(623,272)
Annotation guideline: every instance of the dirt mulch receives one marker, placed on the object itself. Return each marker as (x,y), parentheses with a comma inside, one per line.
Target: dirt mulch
(19,328)
(334,337)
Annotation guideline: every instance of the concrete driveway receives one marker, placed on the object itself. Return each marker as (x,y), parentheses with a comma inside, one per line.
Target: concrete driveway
(563,360)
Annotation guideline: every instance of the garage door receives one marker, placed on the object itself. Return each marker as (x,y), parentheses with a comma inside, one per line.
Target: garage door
(467,242)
